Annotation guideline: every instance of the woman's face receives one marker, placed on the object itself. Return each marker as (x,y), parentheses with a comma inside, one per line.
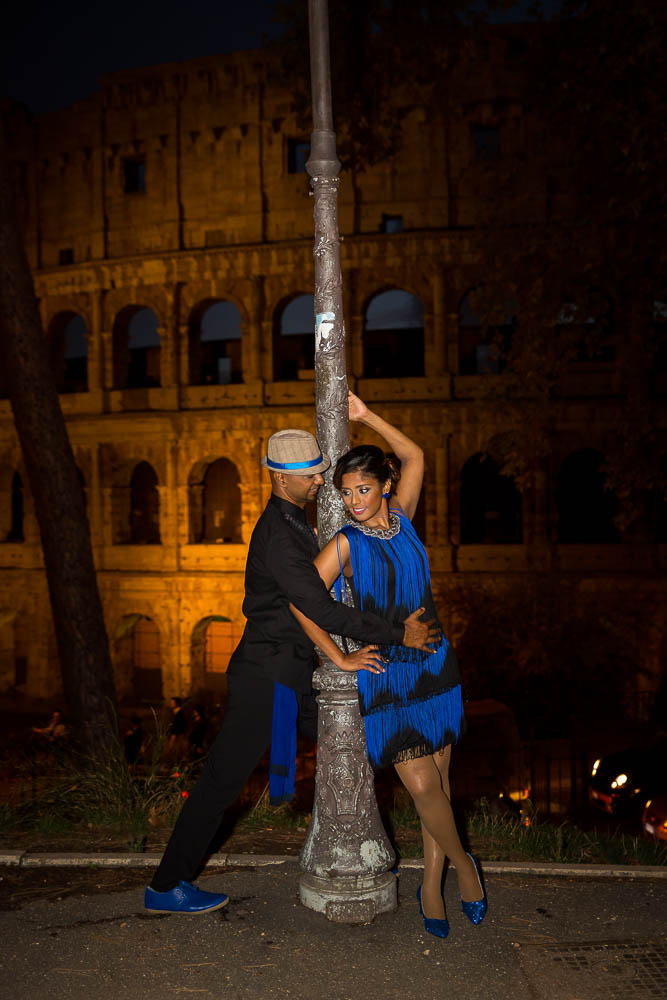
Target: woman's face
(362,494)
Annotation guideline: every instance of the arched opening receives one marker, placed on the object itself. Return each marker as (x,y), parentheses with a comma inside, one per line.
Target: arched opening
(12,666)
(68,351)
(12,491)
(82,484)
(585,329)
(214,639)
(586,508)
(11,505)
(214,339)
(138,660)
(136,349)
(294,340)
(144,506)
(21,634)
(394,335)
(215,504)
(491,505)
(485,335)
(419,518)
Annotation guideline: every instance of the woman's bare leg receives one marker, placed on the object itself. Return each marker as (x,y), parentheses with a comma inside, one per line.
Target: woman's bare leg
(433,904)
(426,783)
(434,857)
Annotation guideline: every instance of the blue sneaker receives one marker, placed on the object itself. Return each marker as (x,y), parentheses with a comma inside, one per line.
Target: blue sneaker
(183,898)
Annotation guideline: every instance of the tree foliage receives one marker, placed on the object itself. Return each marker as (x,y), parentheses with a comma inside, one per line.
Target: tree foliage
(599,152)
(571,222)
(375,48)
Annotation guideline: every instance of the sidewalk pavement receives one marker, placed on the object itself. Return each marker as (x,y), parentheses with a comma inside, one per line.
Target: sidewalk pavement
(553,932)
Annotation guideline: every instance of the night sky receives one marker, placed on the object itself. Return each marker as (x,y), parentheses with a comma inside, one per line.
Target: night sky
(54,53)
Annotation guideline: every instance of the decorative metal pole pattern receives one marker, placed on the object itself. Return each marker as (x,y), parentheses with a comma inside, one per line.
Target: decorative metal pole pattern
(347,856)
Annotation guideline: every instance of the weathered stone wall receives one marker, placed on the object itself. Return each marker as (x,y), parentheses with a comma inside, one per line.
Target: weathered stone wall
(223,219)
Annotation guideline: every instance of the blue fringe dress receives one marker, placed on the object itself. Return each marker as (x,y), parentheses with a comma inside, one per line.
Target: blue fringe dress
(415,708)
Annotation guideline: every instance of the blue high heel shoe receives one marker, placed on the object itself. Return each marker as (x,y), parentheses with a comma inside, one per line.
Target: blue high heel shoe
(475,910)
(439,928)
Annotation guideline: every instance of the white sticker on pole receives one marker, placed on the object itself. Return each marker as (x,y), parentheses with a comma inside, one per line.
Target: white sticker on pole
(324,324)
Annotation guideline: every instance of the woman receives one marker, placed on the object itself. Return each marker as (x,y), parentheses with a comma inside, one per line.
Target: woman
(410,700)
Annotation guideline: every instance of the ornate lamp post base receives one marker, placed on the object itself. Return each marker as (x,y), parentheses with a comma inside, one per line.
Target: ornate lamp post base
(349,900)
(347,857)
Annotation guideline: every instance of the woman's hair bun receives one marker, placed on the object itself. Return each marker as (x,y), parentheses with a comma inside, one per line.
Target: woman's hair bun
(370,459)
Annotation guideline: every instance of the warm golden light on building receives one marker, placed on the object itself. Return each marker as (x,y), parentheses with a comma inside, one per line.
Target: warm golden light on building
(169,227)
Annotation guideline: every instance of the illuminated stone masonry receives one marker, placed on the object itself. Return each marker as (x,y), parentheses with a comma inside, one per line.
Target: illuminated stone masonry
(169,227)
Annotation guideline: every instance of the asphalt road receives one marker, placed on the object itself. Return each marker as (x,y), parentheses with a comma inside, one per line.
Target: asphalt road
(82,933)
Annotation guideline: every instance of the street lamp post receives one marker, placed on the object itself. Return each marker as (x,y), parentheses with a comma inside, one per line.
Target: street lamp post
(346,856)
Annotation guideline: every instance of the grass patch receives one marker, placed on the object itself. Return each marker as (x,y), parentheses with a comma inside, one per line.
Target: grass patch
(264,816)
(101,794)
(504,837)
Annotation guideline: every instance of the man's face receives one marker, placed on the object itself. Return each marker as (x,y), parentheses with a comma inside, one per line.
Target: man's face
(302,489)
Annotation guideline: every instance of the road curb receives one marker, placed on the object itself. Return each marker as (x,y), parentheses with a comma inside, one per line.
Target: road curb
(556,868)
(26,859)
(92,859)
(11,857)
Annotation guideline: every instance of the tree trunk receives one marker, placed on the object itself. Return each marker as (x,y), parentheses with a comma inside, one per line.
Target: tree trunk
(83,646)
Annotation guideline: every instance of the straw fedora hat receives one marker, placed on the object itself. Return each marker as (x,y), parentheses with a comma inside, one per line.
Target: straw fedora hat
(296,453)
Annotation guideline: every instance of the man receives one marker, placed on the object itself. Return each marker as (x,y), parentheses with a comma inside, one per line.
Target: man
(273,654)
(177,730)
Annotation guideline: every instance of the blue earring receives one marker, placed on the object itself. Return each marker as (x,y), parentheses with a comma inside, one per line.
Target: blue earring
(385,496)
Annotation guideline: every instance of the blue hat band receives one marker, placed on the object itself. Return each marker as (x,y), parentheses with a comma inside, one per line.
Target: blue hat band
(293,465)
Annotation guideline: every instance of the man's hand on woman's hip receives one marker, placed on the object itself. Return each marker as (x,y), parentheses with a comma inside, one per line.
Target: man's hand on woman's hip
(421,634)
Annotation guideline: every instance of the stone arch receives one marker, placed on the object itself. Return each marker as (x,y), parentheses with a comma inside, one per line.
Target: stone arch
(214,343)
(136,348)
(491,504)
(485,334)
(212,643)
(214,503)
(11,505)
(586,509)
(294,338)
(393,337)
(67,335)
(138,659)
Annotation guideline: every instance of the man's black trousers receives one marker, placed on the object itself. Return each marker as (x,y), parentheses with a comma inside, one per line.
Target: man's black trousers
(239,746)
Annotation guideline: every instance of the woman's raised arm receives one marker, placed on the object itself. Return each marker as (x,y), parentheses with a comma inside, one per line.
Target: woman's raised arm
(410,454)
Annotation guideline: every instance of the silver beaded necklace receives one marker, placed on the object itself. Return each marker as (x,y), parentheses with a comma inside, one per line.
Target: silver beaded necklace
(384,533)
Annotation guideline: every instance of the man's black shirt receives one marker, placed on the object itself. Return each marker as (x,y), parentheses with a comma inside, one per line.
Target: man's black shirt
(280,571)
